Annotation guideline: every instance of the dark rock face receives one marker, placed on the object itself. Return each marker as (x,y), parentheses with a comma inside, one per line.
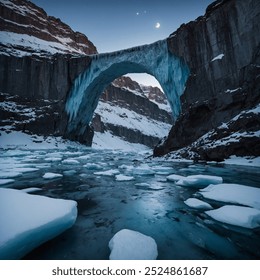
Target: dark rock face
(222,51)
(36,77)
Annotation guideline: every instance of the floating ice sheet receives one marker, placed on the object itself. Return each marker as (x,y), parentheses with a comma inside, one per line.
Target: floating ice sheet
(233,193)
(236,215)
(199,181)
(50,175)
(132,245)
(26,221)
(122,177)
(198,204)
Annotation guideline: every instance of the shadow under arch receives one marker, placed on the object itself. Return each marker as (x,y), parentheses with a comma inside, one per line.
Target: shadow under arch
(154,59)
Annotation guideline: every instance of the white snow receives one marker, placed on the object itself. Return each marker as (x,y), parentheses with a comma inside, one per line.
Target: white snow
(218,57)
(247,161)
(122,177)
(7,173)
(236,215)
(111,113)
(232,90)
(110,172)
(233,193)
(108,141)
(18,139)
(50,175)
(198,204)
(30,220)
(33,45)
(132,245)
(199,181)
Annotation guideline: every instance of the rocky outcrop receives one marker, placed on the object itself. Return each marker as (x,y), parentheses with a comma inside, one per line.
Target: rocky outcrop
(222,51)
(24,17)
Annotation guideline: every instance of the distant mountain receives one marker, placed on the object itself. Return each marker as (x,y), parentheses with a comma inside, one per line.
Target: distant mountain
(126,111)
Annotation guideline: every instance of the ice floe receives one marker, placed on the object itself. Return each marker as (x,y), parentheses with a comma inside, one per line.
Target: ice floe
(110,172)
(70,161)
(132,245)
(50,175)
(143,169)
(198,204)
(233,193)
(5,174)
(30,220)
(6,181)
(163,170)
(122,177)
(199,181)
(236,215)
(174,177)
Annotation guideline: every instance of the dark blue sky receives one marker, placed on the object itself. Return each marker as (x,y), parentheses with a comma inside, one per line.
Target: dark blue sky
(118,24)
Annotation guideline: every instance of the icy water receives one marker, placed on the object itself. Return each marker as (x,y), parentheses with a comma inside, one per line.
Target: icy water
(149,204)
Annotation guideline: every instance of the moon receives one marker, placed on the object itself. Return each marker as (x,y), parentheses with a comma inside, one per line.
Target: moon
(157,25)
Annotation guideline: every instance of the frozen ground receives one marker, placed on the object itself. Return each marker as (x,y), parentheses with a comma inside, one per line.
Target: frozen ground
(118,189)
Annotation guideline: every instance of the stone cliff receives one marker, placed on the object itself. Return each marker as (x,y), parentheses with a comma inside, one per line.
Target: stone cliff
(222,51)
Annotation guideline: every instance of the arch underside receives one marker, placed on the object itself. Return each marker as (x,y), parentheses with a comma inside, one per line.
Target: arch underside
(170,71)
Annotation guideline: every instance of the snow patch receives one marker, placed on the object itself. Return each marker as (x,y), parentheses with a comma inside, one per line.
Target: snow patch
(218,57)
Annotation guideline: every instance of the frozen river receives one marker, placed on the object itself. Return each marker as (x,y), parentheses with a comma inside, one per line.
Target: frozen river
(116,190)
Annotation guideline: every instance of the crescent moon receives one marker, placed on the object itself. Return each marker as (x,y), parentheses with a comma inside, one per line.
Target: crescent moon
(157,25)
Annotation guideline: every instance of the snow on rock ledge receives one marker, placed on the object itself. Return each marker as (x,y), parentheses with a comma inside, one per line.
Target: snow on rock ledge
(132,245)
(27,221)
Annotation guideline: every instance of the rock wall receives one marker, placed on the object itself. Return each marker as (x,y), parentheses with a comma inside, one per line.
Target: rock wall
(222,51)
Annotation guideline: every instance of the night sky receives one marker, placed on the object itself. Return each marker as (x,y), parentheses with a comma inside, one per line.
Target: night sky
(119,24)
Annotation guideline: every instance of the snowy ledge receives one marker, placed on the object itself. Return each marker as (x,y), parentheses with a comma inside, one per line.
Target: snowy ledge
(27,221)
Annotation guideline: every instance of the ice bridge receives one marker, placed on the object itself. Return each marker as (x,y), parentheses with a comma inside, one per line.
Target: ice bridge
(154,59)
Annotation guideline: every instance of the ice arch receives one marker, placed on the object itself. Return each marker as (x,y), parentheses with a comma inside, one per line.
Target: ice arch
(154,59)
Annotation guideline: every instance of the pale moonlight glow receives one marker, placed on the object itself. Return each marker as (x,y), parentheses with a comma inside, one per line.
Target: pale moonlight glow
(157,25)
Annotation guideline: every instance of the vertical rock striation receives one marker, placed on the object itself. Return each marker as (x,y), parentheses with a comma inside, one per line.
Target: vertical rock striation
(222,50)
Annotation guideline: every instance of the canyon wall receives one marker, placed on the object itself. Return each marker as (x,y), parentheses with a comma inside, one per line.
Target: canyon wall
(222,51)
